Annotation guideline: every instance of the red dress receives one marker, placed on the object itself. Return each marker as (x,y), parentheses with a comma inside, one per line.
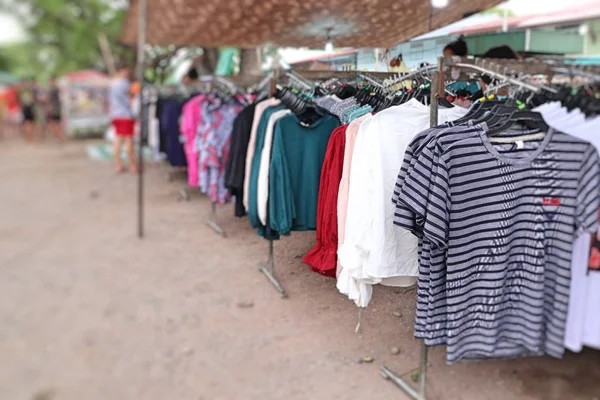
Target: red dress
(322,258)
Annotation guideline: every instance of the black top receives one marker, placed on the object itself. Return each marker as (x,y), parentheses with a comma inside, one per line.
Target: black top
(236,164)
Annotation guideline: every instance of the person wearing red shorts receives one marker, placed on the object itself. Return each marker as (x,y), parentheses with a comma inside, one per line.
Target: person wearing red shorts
(123,119)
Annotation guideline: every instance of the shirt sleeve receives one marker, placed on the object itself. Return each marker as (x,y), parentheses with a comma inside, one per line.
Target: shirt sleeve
(265,163)
(426,193)
(588,192)
(281,202)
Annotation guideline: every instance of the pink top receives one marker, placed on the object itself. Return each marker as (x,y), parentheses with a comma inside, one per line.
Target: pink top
(258,111)
(191,117)
(342,202)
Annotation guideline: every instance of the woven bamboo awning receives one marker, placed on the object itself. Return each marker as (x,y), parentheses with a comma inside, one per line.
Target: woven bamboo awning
(295,23)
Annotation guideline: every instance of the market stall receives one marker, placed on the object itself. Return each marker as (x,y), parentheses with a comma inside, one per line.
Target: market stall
(84,102)
(375,23)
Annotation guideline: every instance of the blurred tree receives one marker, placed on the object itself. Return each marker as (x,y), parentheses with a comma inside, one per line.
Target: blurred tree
(64,34)
(5,62)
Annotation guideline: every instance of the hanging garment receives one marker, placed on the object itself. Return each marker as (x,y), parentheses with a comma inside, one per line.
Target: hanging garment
(296,160)
(340,108)
(153,131)
(258,112)
(327,102)
(213,147)
(236,164)
(191,118)
(169,121)
(583,320)
(262,196)
(322,258)
(430,317)
(342,206)
(255,165)
(374,251)
(162,131)
(507,232)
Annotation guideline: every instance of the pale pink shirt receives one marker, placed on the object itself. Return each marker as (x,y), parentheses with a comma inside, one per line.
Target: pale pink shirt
(342,205)
(258,111)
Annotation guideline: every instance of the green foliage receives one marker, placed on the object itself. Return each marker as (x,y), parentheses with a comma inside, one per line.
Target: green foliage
(63,34)
(498,11)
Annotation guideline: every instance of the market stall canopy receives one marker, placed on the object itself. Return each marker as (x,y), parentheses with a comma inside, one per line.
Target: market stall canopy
(294,23)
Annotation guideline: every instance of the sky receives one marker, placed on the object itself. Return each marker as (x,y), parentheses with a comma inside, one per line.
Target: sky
(11,31)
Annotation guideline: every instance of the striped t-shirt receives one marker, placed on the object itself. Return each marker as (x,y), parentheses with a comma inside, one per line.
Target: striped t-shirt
(504,220)
(430,312)
(430,317)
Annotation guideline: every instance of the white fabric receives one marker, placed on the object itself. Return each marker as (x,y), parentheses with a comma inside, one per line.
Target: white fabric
(583,318)
(374,250)
(262,195)
(258,112)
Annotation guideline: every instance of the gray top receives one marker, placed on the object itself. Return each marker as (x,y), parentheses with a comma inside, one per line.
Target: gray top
(119,100)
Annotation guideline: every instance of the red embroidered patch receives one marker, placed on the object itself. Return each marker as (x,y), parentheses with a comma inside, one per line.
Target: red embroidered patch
(551,201)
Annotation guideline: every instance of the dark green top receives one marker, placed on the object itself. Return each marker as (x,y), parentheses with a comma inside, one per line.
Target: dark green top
(255,167)
(296,161)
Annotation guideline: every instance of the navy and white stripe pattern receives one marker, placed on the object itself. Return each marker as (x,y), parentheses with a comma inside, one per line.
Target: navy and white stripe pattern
(430,318)
(502,222)
(431,329)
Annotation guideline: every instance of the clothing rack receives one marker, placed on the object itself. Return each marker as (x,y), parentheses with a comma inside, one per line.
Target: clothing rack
(438,87)
(233,87)
(300,78)
(437,81)
(267,268)
(211,222)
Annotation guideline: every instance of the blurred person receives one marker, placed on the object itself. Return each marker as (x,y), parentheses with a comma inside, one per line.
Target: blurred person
(123,118)
(53,111)
(504,52)
(11,117)
(456,48)
(191,77)
(27,99)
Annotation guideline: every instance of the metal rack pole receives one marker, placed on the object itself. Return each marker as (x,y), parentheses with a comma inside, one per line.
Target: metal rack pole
(268,268)
(212,221)
(141,43)
(437,89)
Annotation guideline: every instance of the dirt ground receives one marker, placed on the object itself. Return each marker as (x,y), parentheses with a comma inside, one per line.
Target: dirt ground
(90,312)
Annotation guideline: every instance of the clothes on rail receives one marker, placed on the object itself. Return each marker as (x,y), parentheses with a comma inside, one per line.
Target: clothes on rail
(236,164)
(208,122)
(283,180)
(214,134)
(170,112)
(583,321)
(492,214)
(295,170)
(255,166)
(191,119)
(258,113)
(496,217)
(374,251)
(322,257)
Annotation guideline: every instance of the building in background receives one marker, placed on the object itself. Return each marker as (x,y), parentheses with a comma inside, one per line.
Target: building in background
(342,60)
(572,31)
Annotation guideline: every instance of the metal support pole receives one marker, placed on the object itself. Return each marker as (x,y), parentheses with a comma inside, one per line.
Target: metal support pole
(141,43)
(268,268)
(212,221)
(437,89)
